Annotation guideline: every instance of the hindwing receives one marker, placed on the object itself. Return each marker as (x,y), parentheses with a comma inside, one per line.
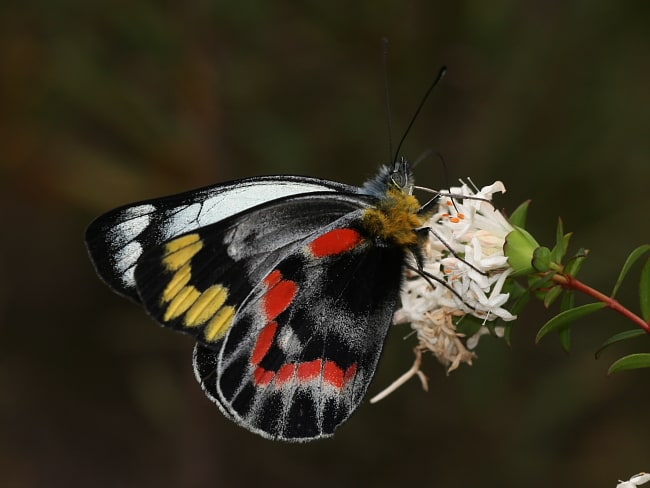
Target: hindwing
(304,346)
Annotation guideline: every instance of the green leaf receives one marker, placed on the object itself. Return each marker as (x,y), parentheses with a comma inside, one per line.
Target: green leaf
(538,282)
(644,291)
(559,251)
(551,295)
(631,259)
(561,243)
(514,288)
(575,263)
(565,318)
(565,332)
(567,301)
(541,259)
(518,217)
(565,338)
(621,336)
(633,361)
(507,332)
(519,296)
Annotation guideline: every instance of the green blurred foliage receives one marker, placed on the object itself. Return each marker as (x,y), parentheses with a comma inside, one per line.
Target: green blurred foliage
(109,102)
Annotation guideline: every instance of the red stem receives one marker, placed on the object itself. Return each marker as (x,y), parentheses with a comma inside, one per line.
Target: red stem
(570,282)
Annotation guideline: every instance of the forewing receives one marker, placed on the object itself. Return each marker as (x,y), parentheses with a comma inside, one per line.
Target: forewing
(198,282)
(303,348)
(117,239)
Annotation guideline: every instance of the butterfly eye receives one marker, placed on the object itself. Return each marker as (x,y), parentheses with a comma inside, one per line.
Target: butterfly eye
(398,179)
(400,175)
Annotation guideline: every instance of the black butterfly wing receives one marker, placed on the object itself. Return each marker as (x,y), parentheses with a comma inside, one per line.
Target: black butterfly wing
(305,344)
(290,303)
(117,239)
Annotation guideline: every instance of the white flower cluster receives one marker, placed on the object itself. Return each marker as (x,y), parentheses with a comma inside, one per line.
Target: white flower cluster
(466,270)
(634,481)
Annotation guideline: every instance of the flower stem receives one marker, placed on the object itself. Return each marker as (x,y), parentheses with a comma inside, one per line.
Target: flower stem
(414,371)
(570,282)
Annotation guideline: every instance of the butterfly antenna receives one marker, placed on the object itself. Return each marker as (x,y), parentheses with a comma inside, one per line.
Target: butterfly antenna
(445,170)
(440,76)
(384,69)
(445,173)
(425,154)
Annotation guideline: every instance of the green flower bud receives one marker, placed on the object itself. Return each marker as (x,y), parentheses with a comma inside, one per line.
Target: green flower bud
(520,248)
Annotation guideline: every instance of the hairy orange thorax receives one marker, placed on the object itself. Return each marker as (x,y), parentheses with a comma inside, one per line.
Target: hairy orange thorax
(395,218)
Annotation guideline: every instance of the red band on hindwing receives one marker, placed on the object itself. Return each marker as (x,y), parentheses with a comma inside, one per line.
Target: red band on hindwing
(305,373)
(262,377)
(335,376)
(332,374)
(350,372)
(334,242)
(309,370)
(285,374)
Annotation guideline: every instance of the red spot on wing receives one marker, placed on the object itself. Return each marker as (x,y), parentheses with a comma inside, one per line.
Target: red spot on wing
(333,375)
(278,298)
(262,377)
(273,279)
(285,374)
(350,372)
(334,242)
(309,370)
(264,341)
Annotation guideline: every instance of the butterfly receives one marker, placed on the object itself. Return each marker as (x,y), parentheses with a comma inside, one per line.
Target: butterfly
(287,283)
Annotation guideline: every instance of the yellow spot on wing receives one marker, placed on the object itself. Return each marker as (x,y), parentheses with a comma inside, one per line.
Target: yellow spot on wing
(181,250)
(181,302)
(206,306)
(180,242)
(178,281)
(198,308)
(219,324)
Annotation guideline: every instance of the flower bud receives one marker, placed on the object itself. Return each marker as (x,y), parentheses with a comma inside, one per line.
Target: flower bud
(520,248)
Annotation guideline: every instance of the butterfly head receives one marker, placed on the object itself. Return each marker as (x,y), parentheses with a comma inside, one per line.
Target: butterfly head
(401,176)
(397,177)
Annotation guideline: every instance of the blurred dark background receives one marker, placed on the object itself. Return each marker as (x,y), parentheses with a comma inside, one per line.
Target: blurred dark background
(108,102)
